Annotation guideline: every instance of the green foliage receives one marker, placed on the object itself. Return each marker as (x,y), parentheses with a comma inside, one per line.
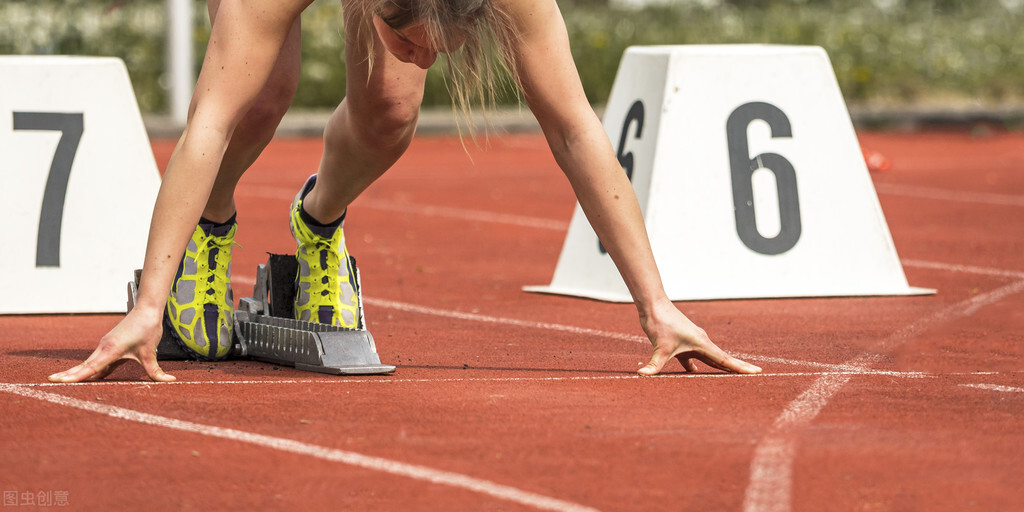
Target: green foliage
(883,51)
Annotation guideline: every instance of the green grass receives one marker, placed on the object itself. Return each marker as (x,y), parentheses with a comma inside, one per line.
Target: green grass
(885,52)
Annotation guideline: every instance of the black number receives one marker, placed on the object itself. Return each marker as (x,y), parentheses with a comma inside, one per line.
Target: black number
(635,115)
(743,167)
(51,214)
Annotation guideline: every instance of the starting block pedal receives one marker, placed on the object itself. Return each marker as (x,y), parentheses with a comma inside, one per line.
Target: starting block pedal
(266,331)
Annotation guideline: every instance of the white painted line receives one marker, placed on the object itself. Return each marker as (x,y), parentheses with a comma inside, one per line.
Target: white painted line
(583,331)
(934,265)
(412,308)
(832,367)
(423,209)
(950,195)
(465,214)
(968,269)
(994,387)
(267,192)
(770,486)
(413,471)
(474,317)
(390,380)
(561,225)
(242,279)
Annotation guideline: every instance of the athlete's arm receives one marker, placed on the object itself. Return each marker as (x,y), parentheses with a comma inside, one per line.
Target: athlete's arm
(552,89)
(245,41)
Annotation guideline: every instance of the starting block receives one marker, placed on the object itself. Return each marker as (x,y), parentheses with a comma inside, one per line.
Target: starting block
(266,331)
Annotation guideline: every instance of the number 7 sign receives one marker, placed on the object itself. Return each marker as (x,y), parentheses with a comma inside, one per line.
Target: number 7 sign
(78,184)
(749,175)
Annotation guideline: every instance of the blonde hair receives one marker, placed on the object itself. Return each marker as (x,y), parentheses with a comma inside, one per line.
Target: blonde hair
(484,64)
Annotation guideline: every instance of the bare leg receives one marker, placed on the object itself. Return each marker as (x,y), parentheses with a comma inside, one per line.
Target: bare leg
(244,47)
(257,128)
(371,128)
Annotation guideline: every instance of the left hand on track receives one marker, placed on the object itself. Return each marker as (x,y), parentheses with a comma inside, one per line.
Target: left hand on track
(674,335)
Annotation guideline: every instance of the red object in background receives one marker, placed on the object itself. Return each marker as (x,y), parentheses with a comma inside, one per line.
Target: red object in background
(876,161)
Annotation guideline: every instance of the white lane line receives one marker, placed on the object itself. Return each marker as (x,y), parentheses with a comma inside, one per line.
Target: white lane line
(475,317)
(561,225)
(424,209)
(413,471)
(994,387)
(933,265)
(967,269)
(770,486)
(583,331)
(465,214)
(950,195)
(389,380)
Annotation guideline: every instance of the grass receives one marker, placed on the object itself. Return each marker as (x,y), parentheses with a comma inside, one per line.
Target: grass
(885,52)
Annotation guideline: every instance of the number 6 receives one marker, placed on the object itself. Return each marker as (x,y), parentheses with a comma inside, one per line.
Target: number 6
(743,167)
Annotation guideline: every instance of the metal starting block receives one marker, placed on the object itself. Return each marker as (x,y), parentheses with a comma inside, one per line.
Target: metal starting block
(265,329)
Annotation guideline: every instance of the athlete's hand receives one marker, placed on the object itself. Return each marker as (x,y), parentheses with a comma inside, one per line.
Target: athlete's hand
(674,335)
(133,339)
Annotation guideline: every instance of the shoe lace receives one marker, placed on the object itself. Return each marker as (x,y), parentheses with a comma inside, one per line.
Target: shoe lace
(218,283)
(327,286)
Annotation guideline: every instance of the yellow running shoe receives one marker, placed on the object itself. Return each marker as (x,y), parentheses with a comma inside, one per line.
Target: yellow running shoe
(200,308)
(325,285)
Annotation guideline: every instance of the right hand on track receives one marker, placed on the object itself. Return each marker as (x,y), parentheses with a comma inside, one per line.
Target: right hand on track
(134,338)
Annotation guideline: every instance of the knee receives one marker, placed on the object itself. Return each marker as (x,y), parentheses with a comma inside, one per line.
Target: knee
(261,121)
(267,113)
(385,125)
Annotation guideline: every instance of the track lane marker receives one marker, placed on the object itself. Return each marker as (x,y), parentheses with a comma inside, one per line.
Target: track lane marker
(772,375)
(966,269)
(807,406)
(426,210)
(994,387)
(987,198)
(584,331)
(770,486)
(359,460)
(466,214)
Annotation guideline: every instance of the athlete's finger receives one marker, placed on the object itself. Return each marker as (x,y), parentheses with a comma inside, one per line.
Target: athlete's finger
(77,373)
(657,362)
(730,364)
(688,363)
(102,374)
(153,370)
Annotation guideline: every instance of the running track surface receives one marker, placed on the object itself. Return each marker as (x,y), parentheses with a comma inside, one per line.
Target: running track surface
(511,401)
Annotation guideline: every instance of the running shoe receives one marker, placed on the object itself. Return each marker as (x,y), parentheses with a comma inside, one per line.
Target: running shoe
(200,309)
(326,291)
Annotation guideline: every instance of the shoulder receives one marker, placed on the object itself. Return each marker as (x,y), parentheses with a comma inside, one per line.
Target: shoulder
(529,15)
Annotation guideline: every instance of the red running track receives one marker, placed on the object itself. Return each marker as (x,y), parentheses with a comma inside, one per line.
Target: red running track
(510,401)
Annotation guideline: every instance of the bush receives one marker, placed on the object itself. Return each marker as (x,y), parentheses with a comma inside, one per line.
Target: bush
(883,51)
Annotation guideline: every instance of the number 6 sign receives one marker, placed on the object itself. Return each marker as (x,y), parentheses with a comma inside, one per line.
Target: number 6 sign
(78,184)
(749,175)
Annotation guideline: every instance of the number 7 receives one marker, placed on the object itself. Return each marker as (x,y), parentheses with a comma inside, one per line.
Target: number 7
(51,214)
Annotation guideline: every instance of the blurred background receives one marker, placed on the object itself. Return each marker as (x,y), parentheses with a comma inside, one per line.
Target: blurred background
(930,57)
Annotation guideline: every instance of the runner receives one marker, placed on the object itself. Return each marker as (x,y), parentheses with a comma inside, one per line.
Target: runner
(248,78)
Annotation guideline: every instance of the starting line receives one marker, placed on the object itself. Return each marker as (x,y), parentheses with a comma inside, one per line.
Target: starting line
(776,375)
(773,456)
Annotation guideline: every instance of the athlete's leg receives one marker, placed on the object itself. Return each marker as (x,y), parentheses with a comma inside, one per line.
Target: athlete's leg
(256,129)
(367,133)
(371,128)
(200,308)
